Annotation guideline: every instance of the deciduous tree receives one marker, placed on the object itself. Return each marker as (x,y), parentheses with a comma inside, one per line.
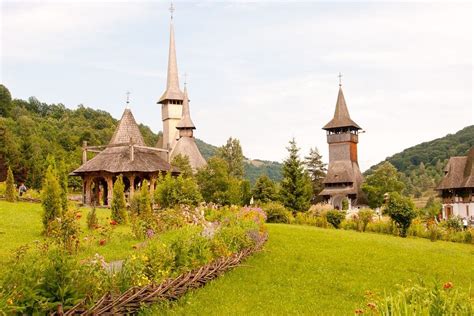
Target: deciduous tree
(384,179)
(232,154)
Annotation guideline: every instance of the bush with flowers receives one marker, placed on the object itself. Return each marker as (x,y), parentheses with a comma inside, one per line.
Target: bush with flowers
(420,299)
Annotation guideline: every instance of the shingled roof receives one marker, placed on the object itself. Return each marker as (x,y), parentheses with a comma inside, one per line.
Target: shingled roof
(117,159)
(459,173)
(186,122)
(172,91)
(341,115)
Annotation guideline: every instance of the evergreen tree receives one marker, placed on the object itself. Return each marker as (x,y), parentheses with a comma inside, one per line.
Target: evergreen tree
(10,194)
(141,201)
(246,192)
(317,171)
(264,190)
(182,163)
(51,197)
(296,189)
(232,154)
(119,206)
(62,177)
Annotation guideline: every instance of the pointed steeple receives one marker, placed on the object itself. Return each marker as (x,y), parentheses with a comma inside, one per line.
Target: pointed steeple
(127,130)
(186,122)
(341,114)
(172,84)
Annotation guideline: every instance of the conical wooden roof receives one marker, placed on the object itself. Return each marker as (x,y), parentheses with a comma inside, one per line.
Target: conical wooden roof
(127,130)
(459,172)
(117,159)
(341,115)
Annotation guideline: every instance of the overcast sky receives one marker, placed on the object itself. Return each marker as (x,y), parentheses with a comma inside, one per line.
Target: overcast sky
(262,72)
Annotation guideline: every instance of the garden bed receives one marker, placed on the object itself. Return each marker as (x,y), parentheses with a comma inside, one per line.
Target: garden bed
(133,300)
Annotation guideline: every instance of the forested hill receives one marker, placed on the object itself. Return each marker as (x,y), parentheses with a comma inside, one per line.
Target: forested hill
(31,130)
(423,164)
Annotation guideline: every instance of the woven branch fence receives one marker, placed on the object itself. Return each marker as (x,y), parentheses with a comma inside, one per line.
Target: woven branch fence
(132,300)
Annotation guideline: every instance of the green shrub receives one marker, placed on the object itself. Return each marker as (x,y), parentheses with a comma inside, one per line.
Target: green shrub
(92,220)
(10,192)
(141,201)
(3,188)
(118,207)
(402,211)
(335,217)
(65,231)
(420,299)
(277,213)
(172,191)
(36,282)
(345,204)
(434,233)
(383,227)
(350,224)
(454,223)
(365,216)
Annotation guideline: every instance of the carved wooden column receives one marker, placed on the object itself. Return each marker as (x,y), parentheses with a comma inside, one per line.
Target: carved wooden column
(131,179)
(152,184)
(87,190)
(110,189)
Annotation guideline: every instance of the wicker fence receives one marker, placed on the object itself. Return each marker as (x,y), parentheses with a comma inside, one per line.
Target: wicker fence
(131,301)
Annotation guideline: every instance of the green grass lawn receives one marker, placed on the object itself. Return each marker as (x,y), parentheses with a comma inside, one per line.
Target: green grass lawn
(307,270)
(20,224)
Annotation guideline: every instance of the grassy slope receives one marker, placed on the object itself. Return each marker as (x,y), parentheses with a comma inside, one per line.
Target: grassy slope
(20,223)
(306,270)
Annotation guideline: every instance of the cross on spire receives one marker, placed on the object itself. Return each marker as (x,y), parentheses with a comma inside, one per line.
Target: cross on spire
(340,79)
(128,98)
(171,9)
(185,78)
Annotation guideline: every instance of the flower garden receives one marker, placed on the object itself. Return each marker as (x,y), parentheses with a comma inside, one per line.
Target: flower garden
(79,263)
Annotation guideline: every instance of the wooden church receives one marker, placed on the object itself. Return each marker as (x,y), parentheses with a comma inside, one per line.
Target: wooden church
(127,154)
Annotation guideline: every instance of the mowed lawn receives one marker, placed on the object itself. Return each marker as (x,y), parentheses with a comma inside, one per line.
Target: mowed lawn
(20,224)
(308,270)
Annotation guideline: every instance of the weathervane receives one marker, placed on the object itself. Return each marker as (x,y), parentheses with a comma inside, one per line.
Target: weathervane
(171,10)
(340,79)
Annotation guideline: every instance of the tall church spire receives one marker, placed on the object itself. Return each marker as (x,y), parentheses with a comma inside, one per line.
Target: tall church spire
(173,91)
(186,122)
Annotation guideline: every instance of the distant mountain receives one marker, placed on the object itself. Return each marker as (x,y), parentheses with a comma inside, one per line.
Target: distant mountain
(423,164)
(252,168)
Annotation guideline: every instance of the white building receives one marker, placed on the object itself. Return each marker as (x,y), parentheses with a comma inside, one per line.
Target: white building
(457,187)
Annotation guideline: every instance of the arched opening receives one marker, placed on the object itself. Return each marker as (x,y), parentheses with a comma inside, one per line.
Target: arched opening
(99,192)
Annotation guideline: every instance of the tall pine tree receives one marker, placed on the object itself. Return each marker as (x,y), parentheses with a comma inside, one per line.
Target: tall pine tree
(51,197)
(296,189)
(317,171)
(118,206)
(10,195)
